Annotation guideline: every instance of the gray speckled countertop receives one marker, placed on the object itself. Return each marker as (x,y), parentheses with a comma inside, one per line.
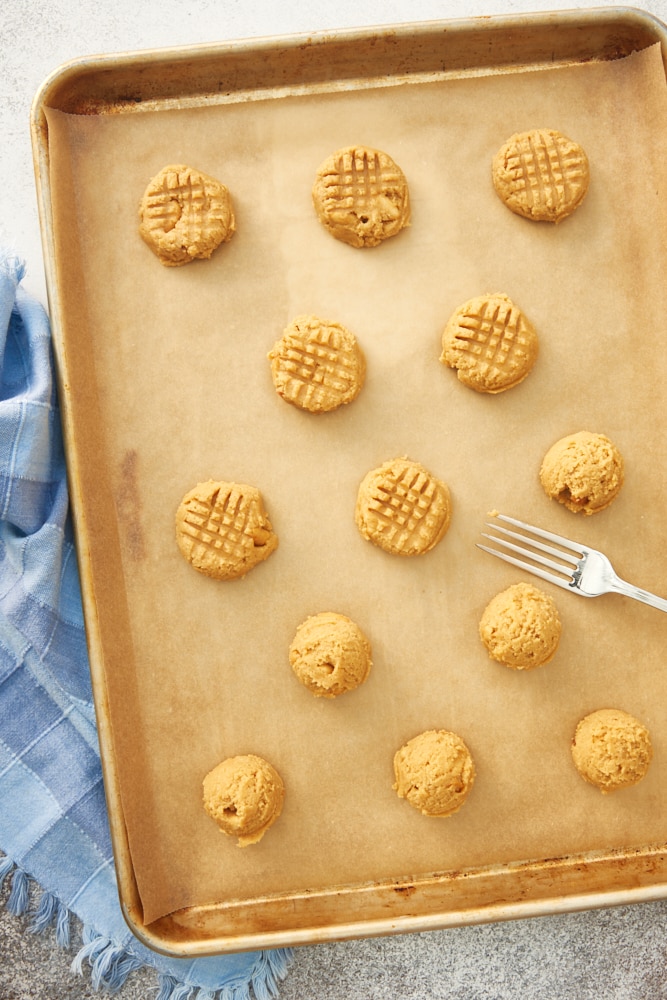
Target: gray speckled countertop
(601,955)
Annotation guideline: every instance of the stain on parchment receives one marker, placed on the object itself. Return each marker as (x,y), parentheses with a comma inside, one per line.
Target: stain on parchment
(128,507)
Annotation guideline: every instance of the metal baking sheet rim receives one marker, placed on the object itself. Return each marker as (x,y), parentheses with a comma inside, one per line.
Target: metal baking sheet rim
(192,932)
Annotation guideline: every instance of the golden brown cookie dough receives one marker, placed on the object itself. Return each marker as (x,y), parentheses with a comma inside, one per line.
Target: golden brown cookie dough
(317,365)
(521,627)
(361,196)
(185,215)
(611,749)
(541,174)
(490,343)
(330,654)
(403,508)
(434,772)
(583,471)
(244,795)
(223,530)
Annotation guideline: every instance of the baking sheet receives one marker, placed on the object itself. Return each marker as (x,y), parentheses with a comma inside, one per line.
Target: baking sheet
(172,386)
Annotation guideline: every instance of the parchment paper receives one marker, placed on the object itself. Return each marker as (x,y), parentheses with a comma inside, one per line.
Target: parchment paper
(182,391)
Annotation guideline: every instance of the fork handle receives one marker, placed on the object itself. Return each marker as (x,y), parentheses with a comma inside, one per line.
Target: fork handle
(629,590)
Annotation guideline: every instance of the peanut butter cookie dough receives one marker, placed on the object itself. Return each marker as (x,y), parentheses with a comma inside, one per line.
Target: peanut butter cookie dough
(403,508)
(434,772)
(244,795)
(541,174)
(185,215)
(583,471)
(611,749)
(361,196)
(330,654)
(490,343)
(223,530)
(521,627)
(317,365)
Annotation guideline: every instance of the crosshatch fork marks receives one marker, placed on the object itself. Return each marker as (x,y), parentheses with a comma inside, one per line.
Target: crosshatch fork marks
(179,198)
(547,171)
(221,524)
(492,333)
(403,504)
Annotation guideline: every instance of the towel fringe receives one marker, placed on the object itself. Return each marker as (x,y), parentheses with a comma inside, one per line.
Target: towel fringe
(19,896)
(110,963)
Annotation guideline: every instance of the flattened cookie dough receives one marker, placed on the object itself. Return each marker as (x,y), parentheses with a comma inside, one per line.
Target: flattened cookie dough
(403,508)
(611,749)
(317,365)
(330,654)
(244,795)
(361,196)
(541,174)
(490,343)
(185,215)
(521,627)
(583,471)
(223,530)
(434,772)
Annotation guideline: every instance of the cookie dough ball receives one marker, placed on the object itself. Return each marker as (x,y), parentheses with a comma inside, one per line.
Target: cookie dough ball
(434,772)
(185,215)
(317,365)
(403,508)
(490,343)
(330,654)
(541,174)
(223,530)
(611,749)
(583,471)
(521,627)
(361,196)
(244,795)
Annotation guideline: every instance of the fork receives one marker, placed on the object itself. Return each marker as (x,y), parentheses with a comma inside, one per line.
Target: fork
(570,565)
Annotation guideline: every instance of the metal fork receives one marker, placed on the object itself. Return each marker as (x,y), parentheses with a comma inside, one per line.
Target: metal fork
(570,565)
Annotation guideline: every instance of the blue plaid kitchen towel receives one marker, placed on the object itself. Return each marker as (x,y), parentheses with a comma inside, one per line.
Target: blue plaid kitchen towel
(53,821)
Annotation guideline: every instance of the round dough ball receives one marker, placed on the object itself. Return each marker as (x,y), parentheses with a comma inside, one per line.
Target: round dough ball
(317,365)
(521,627)
(244,795)
(330,654)
(490,343)
(541,174)
(185,215)
(403,508)
(223,530)
(361,196)
(434,772)
(583,471)
(611,749)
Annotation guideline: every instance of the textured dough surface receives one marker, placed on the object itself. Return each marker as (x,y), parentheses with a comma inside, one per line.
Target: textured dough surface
(434,772)
(361,196)
(223,530)
(541,174)
(244,795)
(490,343)
(330,654)
(521,627)
(403,508)
(583,471)
(317,365)
(185,215)
(611,749)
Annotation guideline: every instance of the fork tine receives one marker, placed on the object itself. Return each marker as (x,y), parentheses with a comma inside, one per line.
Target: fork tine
(534,544)
(548,535)
(560,581)
(534,557)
